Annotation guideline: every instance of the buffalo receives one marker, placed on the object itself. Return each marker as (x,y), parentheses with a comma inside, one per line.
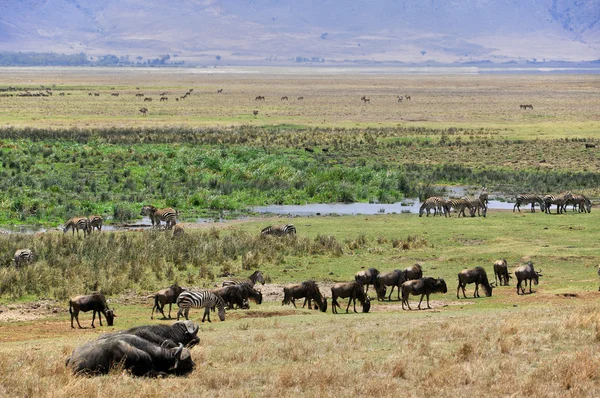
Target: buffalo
(394,279)
(136,354)
(367,277)
(424,287)
(352,291)
(475,275)
(166,296)
(307,290)
(180,332)
(95,302)
(524,273)
(501,272)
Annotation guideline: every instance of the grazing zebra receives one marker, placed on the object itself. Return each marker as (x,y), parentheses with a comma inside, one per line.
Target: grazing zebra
(458,204)
(477,205)
(23,256)
(257,276)
(483,196)
(203,299)
(178,230)
(279,230)
(529,199)
(95,222)
(584,204)
(77,223)
(434,202)
(168,215)
(559,201)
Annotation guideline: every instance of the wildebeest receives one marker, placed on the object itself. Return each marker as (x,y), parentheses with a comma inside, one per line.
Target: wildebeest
(95,302)
(366,278)
(394,279)
(166,296)
(413,272)
(475,275)
(231,295)
(180,332)
(524,273)
(136,354)
(308,290)
(424,287)
(352,291)
(501,272)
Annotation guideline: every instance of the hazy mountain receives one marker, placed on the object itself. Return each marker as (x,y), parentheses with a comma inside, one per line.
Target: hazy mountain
(256,30)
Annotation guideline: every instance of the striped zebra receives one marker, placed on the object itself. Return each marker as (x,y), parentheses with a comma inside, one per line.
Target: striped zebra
(459,205)
(559,201)
(483,197)
(279,230)
(168,215)
(477,205)
(529,199)
(584,204)
(257,276)
(202,299)
(77,223)
(434,202)
(95,222)
(23,256)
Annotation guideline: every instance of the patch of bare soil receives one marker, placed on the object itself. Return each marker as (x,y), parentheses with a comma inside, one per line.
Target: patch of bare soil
(23,312)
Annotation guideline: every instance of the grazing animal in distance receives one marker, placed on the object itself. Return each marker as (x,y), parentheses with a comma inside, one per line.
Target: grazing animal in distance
(77,223)
(219,91)
(529,198)
(285,98)
(475,275)
(559,201)
(139,356)
(144,111)
(433,202)
(413,272)
(307,290)
(300,98)
(255,112)
(307,149)
(256,276)
(460,205)
(367,277)
(95,223)
(581,201)
(279,230)
(23,256)
(394,279)
(148,99)
(95,302)
(524,273)
(164,297)
(424,287)
(168,215)
(164,99)
(168,336)
(259,98)
(352,291)
(202,299)
(588,146)
(501,272)
(365,99)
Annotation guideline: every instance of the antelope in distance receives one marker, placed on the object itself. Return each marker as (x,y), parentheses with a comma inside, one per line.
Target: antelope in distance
(144,111)
(365,99)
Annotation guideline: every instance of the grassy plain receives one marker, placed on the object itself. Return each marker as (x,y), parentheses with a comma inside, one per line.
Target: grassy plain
(72,154)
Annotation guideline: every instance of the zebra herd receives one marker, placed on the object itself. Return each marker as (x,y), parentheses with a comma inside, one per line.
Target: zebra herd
(580,202)
(442,206)
(86,224)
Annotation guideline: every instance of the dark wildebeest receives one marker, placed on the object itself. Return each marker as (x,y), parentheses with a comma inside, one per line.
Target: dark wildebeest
(501,272)
(475,275)
(136,354)
(367,277)
(307,290)
(413,272)
(166,296)
(181,332)
(394,279)
(95,302)
(424,287)
(231,295)
(352,291)
(524,273)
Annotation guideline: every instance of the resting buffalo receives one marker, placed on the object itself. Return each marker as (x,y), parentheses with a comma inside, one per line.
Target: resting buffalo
(475,275)
(352,291)
(394,279)
(367,277)
(501,272)
(136,354)
(307,290)
(181,332)
(424,287)
(524,273)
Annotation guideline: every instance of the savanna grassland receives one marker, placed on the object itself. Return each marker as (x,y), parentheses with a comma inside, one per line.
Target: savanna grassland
(207,154)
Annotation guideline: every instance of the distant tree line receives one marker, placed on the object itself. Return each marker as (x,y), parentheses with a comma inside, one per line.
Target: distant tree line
(81,59)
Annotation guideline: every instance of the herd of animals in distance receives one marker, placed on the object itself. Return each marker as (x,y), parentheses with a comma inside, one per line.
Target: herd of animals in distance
(155,350)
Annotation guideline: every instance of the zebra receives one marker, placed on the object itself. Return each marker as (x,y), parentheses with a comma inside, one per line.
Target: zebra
(559,201)
(257,276)
(77,223)
(458,204)
(22,256)
(477,205)
(95,222)
(168,215)
(434,202)
(190,299)
(584,204)
(483,197)
(529,198)
(279,230)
